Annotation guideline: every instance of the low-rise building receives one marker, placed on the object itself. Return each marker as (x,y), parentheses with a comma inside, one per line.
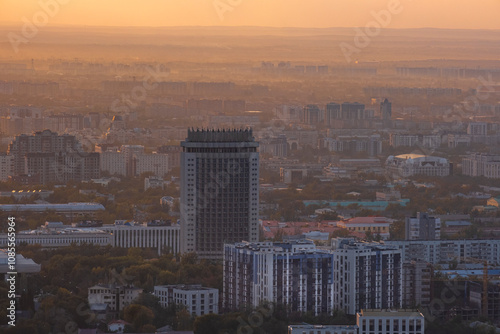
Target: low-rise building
(161,236)
(357,204)
(406,165)
(153,182)
(198,300)
(322,329)
(392,195)
(375,225)
(61,239)
(293,175)
(457,140)
(350,168)
(116,297)
(371,321)
(70,210)
(23,194)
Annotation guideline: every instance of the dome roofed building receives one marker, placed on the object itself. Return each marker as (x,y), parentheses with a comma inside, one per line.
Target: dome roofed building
(406,165)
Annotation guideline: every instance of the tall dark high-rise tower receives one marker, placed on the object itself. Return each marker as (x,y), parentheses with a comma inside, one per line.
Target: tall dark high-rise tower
(312,114)
(353,110)
(219,190)
(386,110)
(332,113)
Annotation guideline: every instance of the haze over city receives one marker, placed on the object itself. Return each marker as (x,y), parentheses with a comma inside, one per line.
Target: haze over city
(445,14)
(250,166)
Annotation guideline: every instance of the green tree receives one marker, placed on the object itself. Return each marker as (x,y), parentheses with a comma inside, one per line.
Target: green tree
(138,315)
(340,233)
(329,215)
(207,324)
(397,230)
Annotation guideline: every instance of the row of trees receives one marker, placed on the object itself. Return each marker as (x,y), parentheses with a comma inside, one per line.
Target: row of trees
(66,275)
(441,198)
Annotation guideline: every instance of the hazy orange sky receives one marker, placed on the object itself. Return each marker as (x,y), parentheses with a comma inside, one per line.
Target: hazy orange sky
(464,14)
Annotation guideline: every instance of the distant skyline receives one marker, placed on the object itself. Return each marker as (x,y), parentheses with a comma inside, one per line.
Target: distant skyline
(449,14)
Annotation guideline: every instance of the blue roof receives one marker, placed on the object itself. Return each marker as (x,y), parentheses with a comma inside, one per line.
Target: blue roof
(469,272)
(374,205)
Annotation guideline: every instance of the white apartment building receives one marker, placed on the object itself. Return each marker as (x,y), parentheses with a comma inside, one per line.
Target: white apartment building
(396,140)
(431,141)
(481,164)
(132,161)
(116,297)
(306,279)
(198,300)
(366,276)
(155,163)
(443,251)
(477,129)
(295,274)
(115,163)
(6,166)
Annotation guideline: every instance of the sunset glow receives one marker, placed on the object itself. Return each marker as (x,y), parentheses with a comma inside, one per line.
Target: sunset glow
(457,14)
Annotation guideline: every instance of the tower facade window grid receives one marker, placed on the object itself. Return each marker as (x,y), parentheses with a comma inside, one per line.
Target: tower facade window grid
(220,190)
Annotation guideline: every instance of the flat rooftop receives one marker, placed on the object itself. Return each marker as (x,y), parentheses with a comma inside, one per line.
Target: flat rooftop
(23,265)
(391,313)
(220,135)
(191,287)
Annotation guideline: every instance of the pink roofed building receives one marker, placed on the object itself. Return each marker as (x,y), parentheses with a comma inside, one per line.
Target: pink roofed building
(377,225)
